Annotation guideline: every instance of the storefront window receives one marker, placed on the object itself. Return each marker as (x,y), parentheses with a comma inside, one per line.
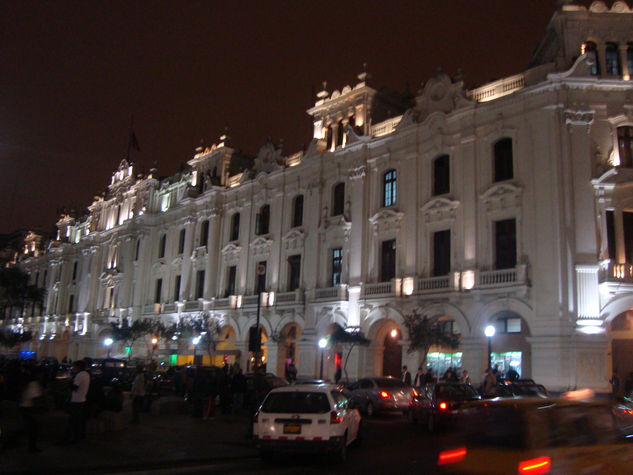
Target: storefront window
(440,362)
(507,359)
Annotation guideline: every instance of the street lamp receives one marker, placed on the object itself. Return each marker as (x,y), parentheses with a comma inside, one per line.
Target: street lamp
(489,331)
(322,345)
(195,340)
(108,343)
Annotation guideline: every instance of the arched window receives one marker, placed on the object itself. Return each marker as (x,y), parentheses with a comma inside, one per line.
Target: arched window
(263,220)
(181,241)
(592,52)
(338,199)
(503,168)
(625,146)
(389,188)
(297,211)
(235,226)
(441,175)
(612,60)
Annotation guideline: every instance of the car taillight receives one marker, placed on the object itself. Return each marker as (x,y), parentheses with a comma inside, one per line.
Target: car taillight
(415,393)
(451,456)
(443,406)
(384,394)
(335,418)
(535,466)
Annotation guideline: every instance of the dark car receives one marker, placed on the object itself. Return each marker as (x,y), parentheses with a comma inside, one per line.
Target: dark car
(519,388)
(377,394)
(441,405)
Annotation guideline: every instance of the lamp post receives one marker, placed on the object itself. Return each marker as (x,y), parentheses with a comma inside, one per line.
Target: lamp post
(322,345)
(489,331)
(195,340)
(154,346)
(108,343)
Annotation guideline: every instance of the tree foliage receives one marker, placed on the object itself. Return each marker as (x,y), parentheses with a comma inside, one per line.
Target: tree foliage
(425,332)
(348,338)
(203,325)
(130,333)
(16,292)
(10,338)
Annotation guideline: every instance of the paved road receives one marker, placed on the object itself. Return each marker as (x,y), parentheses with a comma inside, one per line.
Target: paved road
(390,445)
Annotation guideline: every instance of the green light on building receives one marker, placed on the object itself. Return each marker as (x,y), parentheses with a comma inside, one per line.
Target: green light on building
(173,360)
(128,349)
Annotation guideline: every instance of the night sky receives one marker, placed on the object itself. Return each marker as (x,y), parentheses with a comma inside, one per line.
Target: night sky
(74,72)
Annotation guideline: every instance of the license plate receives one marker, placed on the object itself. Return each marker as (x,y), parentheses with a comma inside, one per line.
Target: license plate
(292,428)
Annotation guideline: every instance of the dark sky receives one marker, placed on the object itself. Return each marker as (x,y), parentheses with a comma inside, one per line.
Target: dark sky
(74,72)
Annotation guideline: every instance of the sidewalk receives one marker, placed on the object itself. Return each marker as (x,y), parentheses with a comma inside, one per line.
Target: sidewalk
(159,441)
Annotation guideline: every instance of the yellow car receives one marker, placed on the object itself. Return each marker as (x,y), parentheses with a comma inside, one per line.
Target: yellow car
(538,436)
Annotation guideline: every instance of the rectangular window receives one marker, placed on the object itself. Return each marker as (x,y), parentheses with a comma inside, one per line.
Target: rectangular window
(297,212)
(505,244)
(625,146)
(513,325)
(389,185)
(442,252)
(159,290)
(138,249)
(388,260)
(177,288)
(337,266)
(262,220)
(627,227)
(338,201)
(235,227)
(294,272)
(441,175)
(181,241)
(71,304)
(162,245)
(230,280)
(200,284)
(204,233)
(260,277)
(75,271)
(611,233)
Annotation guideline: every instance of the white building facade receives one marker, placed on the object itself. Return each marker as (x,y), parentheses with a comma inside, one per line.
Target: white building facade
(510,205)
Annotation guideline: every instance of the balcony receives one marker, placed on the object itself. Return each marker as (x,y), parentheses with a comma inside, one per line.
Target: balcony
(611,272)
(338,292)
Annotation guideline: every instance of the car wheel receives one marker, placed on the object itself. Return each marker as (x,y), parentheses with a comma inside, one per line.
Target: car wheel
(412,417)
(430,423)
(369,409)
(341,454)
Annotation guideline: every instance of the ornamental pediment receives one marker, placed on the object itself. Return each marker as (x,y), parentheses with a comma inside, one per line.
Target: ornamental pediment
(261,246)
(293,239)
(110,278)
(386,220)
(439,209)
(502,196)
(231,253)
(177,261)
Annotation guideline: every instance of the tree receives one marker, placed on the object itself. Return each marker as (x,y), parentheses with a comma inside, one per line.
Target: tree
(10,338)
(15,291)
(129,334)
(348,338)
(425,332)
(204,325)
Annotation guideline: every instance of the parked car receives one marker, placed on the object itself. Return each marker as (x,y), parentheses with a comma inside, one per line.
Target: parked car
(440,405)
(536,436)
(377,394)
(310,418)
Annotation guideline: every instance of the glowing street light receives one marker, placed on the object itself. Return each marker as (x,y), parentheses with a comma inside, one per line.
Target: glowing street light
(322,345)
(489,331)
(108,343)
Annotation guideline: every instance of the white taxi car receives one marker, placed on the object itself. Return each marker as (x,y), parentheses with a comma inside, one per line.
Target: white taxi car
(306,417)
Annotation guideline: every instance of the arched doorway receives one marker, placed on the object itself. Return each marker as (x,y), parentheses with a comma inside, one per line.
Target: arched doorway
(621,333)
(287,347)
(509,346)
(226,352)
(445,355)
(251,363)
(392,354)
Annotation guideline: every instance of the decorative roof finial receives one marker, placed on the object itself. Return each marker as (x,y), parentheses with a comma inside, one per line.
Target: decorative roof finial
(364,75)
(322,94)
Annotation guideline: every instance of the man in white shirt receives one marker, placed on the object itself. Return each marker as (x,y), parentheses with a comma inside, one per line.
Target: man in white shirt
(77,407)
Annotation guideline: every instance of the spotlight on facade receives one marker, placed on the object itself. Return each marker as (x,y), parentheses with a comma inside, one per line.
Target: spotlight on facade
(407,286)
(394,333)
(489,331)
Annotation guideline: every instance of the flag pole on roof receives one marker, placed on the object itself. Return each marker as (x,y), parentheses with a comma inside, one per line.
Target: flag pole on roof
(132,142)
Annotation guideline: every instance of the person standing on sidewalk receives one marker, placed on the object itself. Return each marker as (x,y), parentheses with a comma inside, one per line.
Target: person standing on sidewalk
(77,407)
(31,395)
(138,394)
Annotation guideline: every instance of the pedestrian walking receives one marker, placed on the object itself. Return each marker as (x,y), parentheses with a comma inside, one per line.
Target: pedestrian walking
(77,407)
(30,403)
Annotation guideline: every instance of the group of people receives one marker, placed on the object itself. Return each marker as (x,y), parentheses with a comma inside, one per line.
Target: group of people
(421,377)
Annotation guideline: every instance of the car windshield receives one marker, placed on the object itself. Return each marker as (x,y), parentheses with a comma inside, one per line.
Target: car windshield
(296,403)
(389,383)
(456,391)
